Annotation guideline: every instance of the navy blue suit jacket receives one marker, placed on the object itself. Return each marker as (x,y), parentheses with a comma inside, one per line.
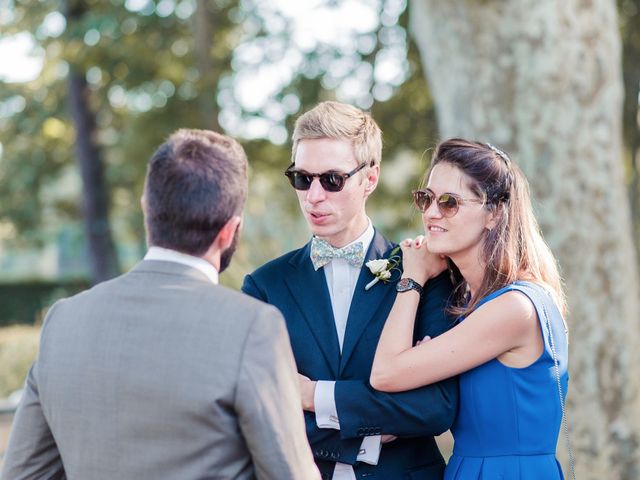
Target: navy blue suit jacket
(291,284)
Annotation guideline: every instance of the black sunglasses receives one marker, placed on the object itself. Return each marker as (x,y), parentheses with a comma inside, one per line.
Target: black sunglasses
(448,203)
(331,181)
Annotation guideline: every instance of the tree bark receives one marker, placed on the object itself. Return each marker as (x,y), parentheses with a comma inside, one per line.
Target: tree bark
(542,79)
(631,112)
(203,28)
(95,205)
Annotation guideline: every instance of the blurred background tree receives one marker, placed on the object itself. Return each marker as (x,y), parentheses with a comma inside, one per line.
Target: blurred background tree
(544,80)
(630,32)
(150,67)
(117,78)
(143,68)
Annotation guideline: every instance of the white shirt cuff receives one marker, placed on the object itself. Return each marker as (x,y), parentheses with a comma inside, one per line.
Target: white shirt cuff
(327,417)
(343,471)
(325,405)
(370,450)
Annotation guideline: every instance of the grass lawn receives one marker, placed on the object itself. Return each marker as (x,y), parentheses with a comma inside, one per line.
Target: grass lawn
(18,349)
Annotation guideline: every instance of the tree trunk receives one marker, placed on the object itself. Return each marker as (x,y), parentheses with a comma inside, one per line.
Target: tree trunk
(543,80)
(203,28)
(631,113)
(102,253)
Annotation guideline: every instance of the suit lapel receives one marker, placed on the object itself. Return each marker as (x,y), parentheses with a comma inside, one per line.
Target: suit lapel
(308,289)
(365,302)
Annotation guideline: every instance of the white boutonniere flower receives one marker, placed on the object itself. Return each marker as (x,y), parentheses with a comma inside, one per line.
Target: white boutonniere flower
(381,268)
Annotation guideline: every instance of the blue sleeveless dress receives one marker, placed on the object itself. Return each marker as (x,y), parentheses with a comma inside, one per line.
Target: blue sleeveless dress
(509,418)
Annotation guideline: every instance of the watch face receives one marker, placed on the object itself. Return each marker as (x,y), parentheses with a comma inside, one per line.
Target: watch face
(406,284)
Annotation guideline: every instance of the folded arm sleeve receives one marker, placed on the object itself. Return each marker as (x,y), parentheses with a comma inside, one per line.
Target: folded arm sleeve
(428,410)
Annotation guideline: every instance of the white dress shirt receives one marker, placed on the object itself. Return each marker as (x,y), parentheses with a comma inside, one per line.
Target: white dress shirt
(166,255)
(341,282)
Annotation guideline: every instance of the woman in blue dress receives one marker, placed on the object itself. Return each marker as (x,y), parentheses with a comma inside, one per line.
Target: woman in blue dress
(510,345)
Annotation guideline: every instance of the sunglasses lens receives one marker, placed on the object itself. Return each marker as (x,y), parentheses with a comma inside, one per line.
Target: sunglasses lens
(448,205)
(299,181)
(332,182)
(422,200)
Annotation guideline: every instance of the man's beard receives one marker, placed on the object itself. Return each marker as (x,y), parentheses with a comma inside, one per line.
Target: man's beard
(225,257)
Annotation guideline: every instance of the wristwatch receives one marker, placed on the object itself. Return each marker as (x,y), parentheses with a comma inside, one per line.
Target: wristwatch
(406,284)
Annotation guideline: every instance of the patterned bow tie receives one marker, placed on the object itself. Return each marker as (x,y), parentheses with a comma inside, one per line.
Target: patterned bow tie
(322,253)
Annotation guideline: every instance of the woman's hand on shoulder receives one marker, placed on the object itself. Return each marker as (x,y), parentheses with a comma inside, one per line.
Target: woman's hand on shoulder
(418,262)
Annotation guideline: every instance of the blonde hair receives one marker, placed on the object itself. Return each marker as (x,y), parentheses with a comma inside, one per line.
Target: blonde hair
(340,121)
(514,248)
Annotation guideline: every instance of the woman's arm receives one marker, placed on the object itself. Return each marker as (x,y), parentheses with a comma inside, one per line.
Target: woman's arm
(504,324)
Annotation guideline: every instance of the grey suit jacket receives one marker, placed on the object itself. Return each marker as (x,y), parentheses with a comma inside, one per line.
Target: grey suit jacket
(159,374)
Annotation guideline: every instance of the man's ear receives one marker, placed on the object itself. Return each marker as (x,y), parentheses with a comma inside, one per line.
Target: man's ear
(143,204)
(227,233)
(373,175)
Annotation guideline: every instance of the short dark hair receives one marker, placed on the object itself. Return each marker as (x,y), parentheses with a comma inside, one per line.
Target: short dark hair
(196,181)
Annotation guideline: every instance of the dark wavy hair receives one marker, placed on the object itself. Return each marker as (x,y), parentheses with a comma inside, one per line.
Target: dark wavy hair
(196,181)
(514,249)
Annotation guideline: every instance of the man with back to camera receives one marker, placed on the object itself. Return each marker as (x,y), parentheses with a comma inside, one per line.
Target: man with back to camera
(161,373)
(334,323)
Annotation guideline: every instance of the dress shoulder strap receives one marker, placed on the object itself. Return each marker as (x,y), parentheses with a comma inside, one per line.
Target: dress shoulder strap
(555,338)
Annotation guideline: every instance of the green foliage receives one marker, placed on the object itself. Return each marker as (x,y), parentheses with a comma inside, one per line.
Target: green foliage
(145,83)
(169,64)
(26,302)
(18,350)
(148,76)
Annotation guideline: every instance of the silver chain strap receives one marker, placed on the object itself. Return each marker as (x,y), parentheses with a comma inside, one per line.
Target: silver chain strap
(564,413)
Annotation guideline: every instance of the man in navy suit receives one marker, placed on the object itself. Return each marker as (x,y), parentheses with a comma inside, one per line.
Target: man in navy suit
(334,323)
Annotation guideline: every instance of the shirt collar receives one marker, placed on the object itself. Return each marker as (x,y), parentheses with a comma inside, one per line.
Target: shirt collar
(366,237)
(167,255)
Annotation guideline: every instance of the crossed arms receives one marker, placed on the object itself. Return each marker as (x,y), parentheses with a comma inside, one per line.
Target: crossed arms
(363,411)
